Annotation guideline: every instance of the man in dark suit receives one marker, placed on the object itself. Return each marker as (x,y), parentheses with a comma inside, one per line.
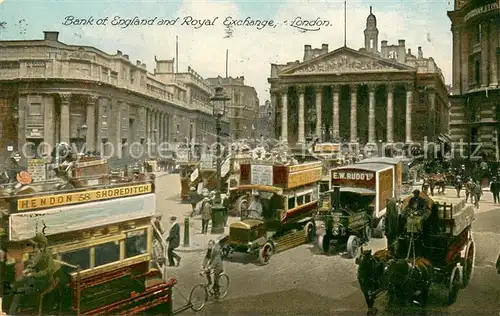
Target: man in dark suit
(495,190)
(173,240)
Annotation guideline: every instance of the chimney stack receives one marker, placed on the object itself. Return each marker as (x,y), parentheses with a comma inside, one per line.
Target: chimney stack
(119,52)
(384,50)
(401,51)
(420,53)
(324,48)
(307,52)
(51,36)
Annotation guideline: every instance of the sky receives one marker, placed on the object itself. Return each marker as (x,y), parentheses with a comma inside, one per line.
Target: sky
(251,51)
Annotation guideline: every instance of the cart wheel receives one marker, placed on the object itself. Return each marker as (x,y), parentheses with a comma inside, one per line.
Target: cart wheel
(353,244)
(454,285)
(198,297)
(468,262)
(368,233)
(310,232)
(265,253)
(241,205)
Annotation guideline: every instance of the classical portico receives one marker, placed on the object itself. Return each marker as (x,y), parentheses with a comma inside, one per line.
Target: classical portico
(346,95)
(359,95)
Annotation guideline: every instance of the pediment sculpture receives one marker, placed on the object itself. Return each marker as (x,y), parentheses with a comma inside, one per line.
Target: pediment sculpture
(344,64)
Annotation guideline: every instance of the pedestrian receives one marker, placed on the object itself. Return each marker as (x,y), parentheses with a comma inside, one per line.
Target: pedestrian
(173,241)
(495,190)
(206,214)
(193,199)
(478,192)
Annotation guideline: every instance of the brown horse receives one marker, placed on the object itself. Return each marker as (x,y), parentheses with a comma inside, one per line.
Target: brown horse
(409,282)
(371,274)
(436,180)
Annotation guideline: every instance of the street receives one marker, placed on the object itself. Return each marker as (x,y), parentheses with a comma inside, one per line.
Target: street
(301,281)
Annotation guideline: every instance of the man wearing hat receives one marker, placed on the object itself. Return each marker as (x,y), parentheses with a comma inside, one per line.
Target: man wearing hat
(206,214)
(495,189)
(256,206)
(173,240)
(416,202)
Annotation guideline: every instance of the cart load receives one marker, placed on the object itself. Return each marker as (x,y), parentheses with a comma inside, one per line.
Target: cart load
(434,243)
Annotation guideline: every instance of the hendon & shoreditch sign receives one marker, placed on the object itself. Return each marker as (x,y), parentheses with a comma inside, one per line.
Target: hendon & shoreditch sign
(481,10)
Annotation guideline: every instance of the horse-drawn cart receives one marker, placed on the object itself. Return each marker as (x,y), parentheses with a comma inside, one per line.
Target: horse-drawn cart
(434,246)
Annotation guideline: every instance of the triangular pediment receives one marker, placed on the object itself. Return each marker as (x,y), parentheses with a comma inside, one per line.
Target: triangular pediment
(345,60)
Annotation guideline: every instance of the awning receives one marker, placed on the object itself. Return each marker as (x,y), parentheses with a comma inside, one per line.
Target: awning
(363,191)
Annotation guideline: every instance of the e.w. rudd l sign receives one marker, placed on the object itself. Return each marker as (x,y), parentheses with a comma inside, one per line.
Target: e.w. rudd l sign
(359,176)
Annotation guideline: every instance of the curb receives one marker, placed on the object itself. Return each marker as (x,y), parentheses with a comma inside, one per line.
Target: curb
(189,250)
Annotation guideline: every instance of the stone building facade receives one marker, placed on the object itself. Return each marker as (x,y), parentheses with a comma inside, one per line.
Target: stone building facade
(475,95)
(243,108)
(265,126)
(367,95)
(49,90)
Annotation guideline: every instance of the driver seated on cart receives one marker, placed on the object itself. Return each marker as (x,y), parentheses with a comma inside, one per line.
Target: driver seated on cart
(417,203)
(255,209)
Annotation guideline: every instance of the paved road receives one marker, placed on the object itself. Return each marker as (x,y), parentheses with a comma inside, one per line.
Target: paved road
(302,282)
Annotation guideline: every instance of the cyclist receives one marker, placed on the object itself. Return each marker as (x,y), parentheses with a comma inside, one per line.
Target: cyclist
(213,262)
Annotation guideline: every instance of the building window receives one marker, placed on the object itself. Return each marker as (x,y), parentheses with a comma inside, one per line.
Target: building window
(107,253)
(291,202)
(135,243)
(479,32)
(78,258)
(421,98)
(35,109)
(477,70)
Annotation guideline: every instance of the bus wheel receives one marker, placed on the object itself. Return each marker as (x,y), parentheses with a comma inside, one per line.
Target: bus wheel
(265,253)
(310,232)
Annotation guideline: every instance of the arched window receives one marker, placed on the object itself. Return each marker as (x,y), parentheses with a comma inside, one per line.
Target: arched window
(371,43)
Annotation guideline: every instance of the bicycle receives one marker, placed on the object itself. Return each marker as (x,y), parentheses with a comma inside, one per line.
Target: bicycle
(204,290)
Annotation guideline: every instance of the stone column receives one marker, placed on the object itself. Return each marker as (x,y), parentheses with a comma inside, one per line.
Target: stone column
(274,106)
(160,127)
(456,60)
(484,54)
(432,114)
(65,118)
(354,112)
(284,115)
(409,105)
(117,142)
(390,113)
(301,136)
(91,123)
(157,127)
(336,111)
(319,94)
(49,125)
(371,113)
(21,129)
(464,56)
(493,54)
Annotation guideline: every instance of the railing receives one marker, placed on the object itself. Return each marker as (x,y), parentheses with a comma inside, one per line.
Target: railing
(163,244)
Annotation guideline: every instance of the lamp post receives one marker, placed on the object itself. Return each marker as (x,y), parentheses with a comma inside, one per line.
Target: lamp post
(82,135)
(219,109)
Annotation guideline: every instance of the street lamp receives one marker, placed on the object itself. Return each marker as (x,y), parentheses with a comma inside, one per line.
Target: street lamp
(82,134)
(219,110)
